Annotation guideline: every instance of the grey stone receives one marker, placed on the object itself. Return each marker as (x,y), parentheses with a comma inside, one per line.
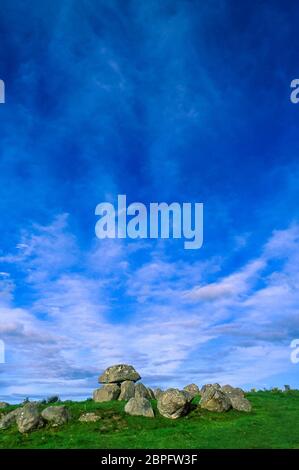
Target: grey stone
(29,418)
(229,390)
(213,399)
(89,418)
(56,415)
(204,388)
(237,398)
(173,403)
(158,392)
(192,389)
(107,393)
(139,406)
(240,404)
(142,391)
(119,373)
(9,419)
(127,390)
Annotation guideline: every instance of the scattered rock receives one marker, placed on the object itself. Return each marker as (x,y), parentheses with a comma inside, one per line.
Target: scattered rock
(237,398)
(107,393)
(213,399)
(56,415)
(89,418)
(29,418)
(127,390)
(139,406)
(9,419)
(173,403)
(158,392)
(119,373)
(229,390)
(240,404)
(192,389)
(142,391)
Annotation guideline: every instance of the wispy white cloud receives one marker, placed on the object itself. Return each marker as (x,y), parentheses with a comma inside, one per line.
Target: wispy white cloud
(175,326)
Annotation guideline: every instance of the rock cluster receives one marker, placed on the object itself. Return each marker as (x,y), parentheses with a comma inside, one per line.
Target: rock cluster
(118,374)
(119,384)
(28,418)
(217,398)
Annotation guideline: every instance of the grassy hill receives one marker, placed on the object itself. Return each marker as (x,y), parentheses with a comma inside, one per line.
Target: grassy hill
(273,423)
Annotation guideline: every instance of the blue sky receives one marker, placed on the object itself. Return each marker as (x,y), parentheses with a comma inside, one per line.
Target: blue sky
(161,101)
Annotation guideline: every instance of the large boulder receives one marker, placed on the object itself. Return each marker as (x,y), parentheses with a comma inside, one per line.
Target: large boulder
(142,391)
(127,390)
(229,390)
(119,373)
(29,418)
(56,415)
(139,406)
(192,389)
(237,398)
(240,404)
(213,399)
(9,419)
(107,393)
(173,403)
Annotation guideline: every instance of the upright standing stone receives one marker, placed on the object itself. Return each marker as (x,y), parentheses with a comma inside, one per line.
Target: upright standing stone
(142,391)
(127,390)
(107,393)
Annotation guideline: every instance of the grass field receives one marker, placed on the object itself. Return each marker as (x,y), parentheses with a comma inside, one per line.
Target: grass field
(273,423)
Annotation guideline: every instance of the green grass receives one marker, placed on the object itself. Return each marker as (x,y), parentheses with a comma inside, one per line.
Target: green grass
(273,423)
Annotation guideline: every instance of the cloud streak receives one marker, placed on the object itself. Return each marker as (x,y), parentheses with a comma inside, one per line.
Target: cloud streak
(67,333)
